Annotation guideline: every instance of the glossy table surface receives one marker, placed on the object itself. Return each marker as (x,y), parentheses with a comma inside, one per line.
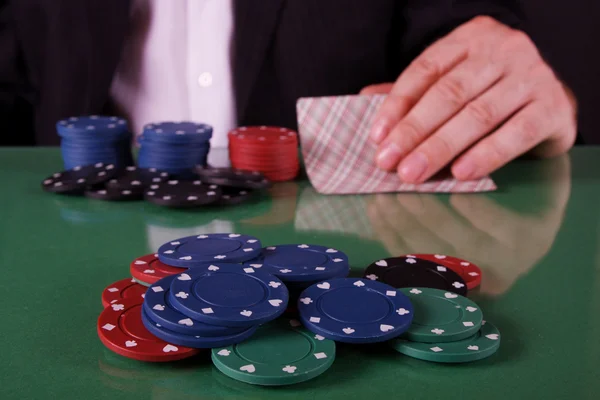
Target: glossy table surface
(536,240)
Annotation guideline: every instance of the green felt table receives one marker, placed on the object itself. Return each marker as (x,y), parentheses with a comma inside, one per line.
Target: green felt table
(536,240)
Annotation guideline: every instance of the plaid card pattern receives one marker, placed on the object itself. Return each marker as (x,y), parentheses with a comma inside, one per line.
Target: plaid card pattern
(340,158)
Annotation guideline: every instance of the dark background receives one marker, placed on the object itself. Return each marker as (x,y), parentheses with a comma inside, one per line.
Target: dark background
(568,35)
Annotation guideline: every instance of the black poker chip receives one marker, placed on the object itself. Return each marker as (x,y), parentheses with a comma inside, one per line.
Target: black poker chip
(237,183)
(230,173)
(76,180)
(183,194)
(133,177)
(408,271)
(114,194)
(233,196)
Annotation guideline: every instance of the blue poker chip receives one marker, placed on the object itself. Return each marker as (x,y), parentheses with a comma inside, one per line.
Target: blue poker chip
(93,127)
(194,251)
(178,132)
(229,295)
(302,262)
(355,310)
(160,310)
(197,341)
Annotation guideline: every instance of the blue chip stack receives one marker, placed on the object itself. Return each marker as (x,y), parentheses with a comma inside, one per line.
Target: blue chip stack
(174,147)
(88,140)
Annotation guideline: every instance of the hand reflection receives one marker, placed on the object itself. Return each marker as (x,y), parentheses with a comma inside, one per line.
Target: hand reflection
(505,243)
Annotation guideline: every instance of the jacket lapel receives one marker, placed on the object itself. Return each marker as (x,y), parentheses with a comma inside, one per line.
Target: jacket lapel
(255,22)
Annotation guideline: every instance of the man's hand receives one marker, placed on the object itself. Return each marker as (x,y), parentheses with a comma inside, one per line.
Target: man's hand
(483,94)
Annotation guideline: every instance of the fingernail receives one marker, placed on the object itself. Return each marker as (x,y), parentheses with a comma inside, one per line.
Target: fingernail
(379,131)
(389,156)
(464,170)
(413,167)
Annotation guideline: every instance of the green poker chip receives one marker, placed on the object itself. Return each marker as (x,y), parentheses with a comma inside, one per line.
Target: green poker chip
(281,352)
(141,282)
(441,316)
(479,346)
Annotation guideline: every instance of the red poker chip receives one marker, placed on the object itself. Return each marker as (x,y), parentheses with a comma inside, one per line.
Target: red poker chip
(150,269)
(265,167)
(271,158)
(470,272)
(263,134)
(275,155)
(123,289)
(253,145)
(290,160)
(120,329)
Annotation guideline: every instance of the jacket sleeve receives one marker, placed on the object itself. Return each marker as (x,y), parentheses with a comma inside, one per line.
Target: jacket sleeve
(16,116)
(421,22)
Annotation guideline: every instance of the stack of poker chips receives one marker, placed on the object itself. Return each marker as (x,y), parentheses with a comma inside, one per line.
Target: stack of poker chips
(270,150)
(193,303)
(204,186)
(174,147)
(449,327)
(90,140)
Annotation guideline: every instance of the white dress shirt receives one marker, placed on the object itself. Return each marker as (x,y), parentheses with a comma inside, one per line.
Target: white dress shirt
(176,65)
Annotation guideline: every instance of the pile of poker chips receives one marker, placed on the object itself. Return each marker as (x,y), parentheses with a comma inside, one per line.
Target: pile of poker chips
(174,147)
(270,150)
(227,293)
(221,187)
(89,140)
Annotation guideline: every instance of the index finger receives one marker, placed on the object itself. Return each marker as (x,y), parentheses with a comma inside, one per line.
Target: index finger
(414,82)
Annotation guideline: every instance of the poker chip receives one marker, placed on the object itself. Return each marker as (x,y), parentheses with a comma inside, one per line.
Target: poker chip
(88,140)
(441,316)
(229,295)
(113,194)
(302,262)
(232,196)
(150,269)
(401,272)
(470,272)
(178,132)
(123,289)
(182,194)
(92,127)
(479,346)
(76,180)
(174,147)
(133,177)
(355,310)
(198,342)
(231,173)
(238,183)
(279,353)
(121,330)
(193,251)
(248,147)
(159,309)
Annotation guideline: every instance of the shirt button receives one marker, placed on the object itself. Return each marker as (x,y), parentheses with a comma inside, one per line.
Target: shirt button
(205,79)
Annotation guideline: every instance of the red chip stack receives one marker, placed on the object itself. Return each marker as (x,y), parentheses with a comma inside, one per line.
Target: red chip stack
(267,149)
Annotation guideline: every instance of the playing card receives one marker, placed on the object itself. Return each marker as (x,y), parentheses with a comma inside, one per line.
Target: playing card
(340,158)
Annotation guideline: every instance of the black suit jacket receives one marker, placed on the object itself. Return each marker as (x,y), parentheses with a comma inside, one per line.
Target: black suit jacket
(58,57)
